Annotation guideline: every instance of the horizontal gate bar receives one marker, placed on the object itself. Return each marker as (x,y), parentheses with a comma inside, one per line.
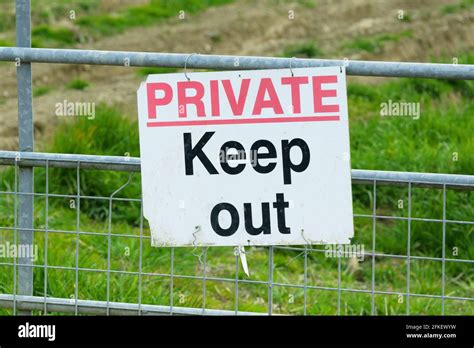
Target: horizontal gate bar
(202,61)
(65,305)
(132,164)
(61,160)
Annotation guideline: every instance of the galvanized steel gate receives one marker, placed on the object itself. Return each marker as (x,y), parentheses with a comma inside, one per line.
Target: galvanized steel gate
(22,300)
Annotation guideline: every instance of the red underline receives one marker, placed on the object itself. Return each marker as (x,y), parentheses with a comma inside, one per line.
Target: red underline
(243,121)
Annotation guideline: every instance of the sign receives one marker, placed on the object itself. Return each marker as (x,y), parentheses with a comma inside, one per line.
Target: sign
(246,157)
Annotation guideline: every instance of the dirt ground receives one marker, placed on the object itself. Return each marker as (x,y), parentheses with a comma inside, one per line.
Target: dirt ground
(245,27)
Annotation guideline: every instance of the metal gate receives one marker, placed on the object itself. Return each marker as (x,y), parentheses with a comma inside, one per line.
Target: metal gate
(23,298)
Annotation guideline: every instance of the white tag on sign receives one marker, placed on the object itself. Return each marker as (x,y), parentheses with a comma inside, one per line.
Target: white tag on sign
(243,259)
(246,157)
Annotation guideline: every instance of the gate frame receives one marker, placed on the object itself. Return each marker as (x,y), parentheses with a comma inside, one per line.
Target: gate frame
(24,55)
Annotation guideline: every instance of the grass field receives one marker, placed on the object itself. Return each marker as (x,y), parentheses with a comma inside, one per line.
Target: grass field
(90,19)
(440,141)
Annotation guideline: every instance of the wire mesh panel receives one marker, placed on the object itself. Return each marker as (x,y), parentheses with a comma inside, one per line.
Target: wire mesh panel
(412,252)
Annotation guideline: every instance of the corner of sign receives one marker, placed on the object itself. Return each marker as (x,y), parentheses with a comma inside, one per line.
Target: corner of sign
(348,240)
(142,85)
(148,77)
(144,82)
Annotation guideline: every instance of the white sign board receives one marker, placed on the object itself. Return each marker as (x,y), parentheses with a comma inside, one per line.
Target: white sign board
(246,157)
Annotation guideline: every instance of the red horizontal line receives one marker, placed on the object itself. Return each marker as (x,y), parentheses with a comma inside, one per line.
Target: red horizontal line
(243,121)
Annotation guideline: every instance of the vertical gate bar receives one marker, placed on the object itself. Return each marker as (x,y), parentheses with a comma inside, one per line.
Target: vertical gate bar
(270,280)
(204,266)
(46,226)
(171,280)
(443,275)
(109,241)
(236,290)
(338,283)
(374,226)
(305,280)
(25,140)
(140,261)
(408,249)
(15,238)
(78,221)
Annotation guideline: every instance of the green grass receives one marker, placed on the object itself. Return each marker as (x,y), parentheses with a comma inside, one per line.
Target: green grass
(309,4)
(155,70)
(441,130)
(302,50)
(41,90)
(5,43)
(382,143)
(48,12)
(7,16)
(45,36)
(91,22)
(78,84)
(375,44)
(406,18)
(157,10)
(460,6)
(95,137)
